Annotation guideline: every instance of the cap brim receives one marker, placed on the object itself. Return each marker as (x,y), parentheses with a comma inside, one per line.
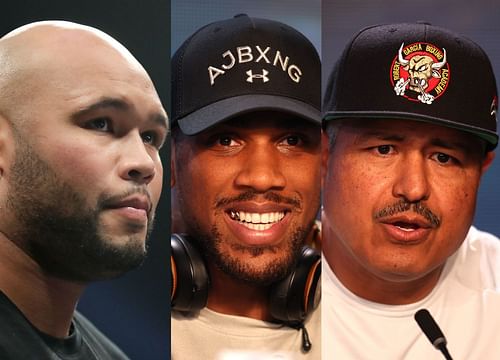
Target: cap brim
(489,136)
(219,111)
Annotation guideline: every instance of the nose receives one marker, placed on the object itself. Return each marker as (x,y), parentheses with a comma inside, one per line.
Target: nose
(261,170)
(136,162)
(412,181)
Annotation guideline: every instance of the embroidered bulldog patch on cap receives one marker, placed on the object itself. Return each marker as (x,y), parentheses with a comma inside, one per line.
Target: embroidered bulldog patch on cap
(420,72)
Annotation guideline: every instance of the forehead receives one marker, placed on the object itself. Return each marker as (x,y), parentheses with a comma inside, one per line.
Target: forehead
(266,120)
(76,80)
(56,56)
(98,67)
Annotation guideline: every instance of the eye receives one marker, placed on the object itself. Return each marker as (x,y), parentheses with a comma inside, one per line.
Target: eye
(443,158)
(226,140)
(221,141)
(384,149)
(150,137)
(292,140)
(100,124)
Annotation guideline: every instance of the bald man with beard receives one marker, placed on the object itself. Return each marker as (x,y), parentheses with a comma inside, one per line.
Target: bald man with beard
(81,126)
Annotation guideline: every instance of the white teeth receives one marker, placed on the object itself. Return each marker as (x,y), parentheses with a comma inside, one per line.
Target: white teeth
(256,218)
(405,229)
(259,227)
(257,221)
(264,218)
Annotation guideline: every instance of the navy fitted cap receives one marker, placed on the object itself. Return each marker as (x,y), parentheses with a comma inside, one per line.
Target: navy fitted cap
(241,65)
(415,72)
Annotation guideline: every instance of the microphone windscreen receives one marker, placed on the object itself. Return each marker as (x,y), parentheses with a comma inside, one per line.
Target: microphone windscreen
(428,326)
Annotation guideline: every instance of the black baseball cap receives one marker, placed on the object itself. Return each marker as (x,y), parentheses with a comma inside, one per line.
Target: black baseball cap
(415,72)
(232,67)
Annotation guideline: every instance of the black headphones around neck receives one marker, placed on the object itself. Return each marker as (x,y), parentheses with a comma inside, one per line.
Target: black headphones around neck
(290,299)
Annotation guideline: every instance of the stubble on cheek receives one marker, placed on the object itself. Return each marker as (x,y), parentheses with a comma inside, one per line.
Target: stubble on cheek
(58,229)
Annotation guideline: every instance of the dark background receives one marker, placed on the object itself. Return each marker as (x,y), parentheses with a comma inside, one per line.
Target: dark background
(134,309)
(479,20)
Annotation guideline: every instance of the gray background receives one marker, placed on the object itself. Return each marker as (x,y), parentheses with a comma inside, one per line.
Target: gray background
(189,15)
(477,19)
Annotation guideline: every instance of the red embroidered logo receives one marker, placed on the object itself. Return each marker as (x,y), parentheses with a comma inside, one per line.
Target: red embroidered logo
(420,72)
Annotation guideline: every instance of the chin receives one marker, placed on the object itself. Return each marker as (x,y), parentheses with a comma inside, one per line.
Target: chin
(402,272)
(101,259)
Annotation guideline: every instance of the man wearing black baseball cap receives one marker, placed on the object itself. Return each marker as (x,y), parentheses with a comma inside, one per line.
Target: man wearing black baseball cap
(409,129)
(246,190)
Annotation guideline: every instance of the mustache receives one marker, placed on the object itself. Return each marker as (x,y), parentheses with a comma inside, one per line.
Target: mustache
(404,206)
(252,195)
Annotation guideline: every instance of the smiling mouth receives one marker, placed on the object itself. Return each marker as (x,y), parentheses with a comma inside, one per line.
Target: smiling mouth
(257,221)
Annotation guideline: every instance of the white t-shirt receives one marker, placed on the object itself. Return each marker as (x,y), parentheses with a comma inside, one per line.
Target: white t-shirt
(210,335)
(465,303)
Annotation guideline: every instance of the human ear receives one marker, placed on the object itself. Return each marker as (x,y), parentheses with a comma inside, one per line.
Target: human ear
(487,161)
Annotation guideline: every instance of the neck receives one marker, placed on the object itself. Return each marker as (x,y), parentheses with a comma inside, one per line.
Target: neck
(363,283)
(47,302)
(233,297)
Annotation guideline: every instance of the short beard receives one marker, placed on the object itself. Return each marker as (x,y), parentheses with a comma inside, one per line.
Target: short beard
(210,245)
(57,229)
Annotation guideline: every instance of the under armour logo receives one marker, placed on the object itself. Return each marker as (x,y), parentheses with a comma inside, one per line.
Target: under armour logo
(262,76)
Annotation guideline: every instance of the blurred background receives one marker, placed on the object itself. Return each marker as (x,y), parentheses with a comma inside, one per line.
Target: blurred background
(478,20)
(133,310)
(189,15)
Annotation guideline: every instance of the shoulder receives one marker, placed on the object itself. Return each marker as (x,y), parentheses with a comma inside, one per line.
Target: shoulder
(477,262)
(482,247)
(482,239)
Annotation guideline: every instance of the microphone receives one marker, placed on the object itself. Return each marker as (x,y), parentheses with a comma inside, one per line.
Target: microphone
(432,331)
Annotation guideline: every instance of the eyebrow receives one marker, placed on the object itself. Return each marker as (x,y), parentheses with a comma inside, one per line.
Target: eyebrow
(451,145)
(160,119)
(381,136)
(447,144)
(292,125)
(117,104)
(103,103)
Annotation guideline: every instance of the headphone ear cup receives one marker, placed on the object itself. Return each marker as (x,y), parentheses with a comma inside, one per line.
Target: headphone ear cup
(189,276)
(294,297)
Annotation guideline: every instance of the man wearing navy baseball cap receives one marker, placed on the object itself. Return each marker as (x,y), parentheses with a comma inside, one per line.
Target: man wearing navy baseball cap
(246,158)
(409,129)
